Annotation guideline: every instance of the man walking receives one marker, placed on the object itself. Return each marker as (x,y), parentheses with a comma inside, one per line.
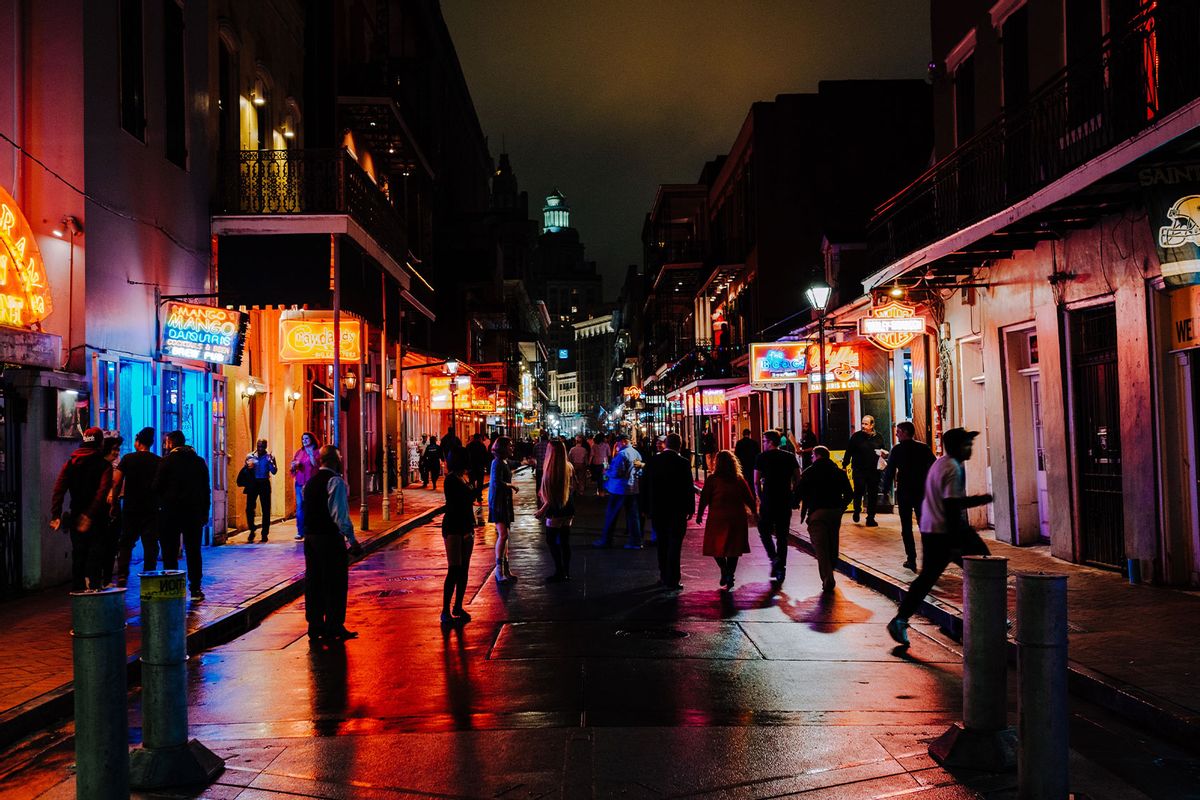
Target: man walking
(670,497)
(578,456)
(862,455)
(450,441)
(598,461)
(747,451)
(133,480)
(326,561)
(708,448)
(262,466)
(824,491)
(808,440)
(87,477)
(181,486)
(622,481)
(479,462)
(776,473)
(909,464)
(945,533)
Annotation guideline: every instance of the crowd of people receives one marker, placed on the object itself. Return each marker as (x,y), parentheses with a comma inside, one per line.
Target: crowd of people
(758,482)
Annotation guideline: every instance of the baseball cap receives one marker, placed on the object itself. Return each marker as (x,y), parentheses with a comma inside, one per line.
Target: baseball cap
(956,436)
(93,435)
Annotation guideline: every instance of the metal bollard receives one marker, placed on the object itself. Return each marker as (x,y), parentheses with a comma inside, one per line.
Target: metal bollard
(1042,710)
(166,757)
(101,716)
(983,740)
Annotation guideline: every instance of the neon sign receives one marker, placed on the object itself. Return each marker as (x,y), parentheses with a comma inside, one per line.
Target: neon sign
(204,333)
(778,362)
(712,401)
(892,325)
(439,392)
(311,340)
(24,293)
(841,368)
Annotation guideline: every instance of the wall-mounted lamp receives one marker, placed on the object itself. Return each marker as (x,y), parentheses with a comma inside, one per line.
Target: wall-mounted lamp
(896,291)
(254,388)
(293,396)
(350,381)
(451,366)
(371,387)
(68,224)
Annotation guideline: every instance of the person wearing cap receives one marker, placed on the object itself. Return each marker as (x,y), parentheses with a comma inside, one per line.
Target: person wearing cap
(87,477)
(182,487)
(824,491)
(945,533)
(622,481)
(132,479)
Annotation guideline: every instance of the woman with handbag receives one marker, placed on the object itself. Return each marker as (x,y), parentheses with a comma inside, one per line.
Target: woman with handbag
(458,534)
(500,503)
(727,496)
(557,510)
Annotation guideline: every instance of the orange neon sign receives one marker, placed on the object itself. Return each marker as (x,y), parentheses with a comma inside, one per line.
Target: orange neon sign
(311,340)
(24,293)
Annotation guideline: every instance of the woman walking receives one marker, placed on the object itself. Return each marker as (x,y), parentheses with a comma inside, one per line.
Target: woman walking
(458,534)
(500,503)
(726,534)
(557,510)
(306,463)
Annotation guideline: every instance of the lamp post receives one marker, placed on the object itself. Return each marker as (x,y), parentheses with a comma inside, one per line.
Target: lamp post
(818,296)
(452,371)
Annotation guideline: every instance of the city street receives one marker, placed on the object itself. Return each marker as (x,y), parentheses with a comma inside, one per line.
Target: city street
(605,686)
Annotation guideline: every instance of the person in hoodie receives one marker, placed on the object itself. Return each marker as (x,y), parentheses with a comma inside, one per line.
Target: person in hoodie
(182,487)
(87,477)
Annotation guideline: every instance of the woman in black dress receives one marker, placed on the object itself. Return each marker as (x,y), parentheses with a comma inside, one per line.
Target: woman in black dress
(500,503)
(458,534)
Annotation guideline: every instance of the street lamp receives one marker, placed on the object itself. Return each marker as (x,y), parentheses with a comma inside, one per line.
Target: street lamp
(452,371)
(818,297)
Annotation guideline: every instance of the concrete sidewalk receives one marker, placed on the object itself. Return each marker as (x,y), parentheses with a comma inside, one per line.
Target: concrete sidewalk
(242,582)
(1133,648)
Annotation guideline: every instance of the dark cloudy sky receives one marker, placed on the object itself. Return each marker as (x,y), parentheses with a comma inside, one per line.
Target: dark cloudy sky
(606,99)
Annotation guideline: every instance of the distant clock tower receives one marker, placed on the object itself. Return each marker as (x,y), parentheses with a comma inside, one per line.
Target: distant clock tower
(556,215)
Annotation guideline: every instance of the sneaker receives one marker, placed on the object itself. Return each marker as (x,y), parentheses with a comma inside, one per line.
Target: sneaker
(857,516)
(633,546)
(299,537)
(264,538)
(872,523)
(898,630)
(197,595)
(910,565)
(250,538)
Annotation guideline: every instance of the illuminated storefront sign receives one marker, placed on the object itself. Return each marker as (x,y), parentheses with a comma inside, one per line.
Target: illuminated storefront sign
(1172,194)
(204,333)
(527,390)
(892,325)
(1185,318)
(632,392)
(842,367)
(24,293)
(439,393)
(712,401)
(777,362)
(311,340)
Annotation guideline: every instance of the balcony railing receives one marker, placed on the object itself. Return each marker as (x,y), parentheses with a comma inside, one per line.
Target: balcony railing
(1137,76)
(288,182)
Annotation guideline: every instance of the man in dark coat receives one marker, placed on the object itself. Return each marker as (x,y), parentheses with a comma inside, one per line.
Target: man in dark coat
(327,529)
(908,464)
(747,450)
(862,456)
(132,482)
(182,488)
(824,491)
(87,477)
(479,463)
(670,496)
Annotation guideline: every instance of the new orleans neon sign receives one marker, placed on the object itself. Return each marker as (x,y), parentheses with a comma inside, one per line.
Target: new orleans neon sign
(204,333)
(24,293)
(311,340)
(892,325)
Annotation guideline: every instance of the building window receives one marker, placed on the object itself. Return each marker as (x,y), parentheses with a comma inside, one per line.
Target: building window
(964,100)
(132,69)
(227,100)
(1014,37)
(174,89)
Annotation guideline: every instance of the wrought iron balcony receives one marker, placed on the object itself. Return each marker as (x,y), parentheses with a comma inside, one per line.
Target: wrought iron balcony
(1136,77)
(292,182)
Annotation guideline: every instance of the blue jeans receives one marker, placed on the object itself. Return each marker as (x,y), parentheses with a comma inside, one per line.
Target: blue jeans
(299,509)
(633,520)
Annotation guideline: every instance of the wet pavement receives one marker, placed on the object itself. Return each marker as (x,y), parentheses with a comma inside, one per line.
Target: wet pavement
(603,687)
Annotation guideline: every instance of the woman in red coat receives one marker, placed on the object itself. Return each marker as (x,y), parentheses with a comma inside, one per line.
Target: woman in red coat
(726,534)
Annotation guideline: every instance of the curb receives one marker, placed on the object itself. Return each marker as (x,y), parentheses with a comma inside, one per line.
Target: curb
(59,704)
(1166,719)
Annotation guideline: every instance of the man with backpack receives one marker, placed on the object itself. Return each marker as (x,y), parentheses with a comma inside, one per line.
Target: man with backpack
(622,481)
(87,477)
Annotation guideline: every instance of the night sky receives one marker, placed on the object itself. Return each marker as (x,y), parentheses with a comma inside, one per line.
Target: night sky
(606,99)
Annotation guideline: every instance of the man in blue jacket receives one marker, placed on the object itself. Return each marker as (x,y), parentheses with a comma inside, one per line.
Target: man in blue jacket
(622,481)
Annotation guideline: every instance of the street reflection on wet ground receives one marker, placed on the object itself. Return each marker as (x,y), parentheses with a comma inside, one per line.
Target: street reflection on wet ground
(603,686)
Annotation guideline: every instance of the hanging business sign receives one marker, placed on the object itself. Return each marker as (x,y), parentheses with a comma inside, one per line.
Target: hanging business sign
(203,333)
(778,362)
(842,368)
(308,340)
(892,325)
(439,393)
(1185,318)
(491,373)
(712,401)
(24,293)
(632,392)
(1173,202)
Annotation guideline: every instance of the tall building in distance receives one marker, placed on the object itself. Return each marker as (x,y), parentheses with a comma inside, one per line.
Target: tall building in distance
(561,275)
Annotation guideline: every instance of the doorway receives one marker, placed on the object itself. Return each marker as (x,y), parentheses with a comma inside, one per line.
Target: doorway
(1097,424)
(1039,457)
(10,498)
